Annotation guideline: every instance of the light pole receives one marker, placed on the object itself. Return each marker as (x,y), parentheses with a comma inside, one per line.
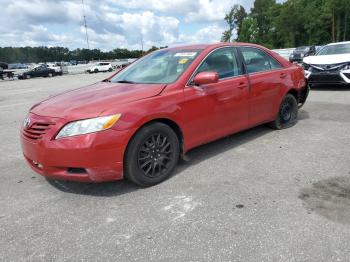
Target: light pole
(86,32)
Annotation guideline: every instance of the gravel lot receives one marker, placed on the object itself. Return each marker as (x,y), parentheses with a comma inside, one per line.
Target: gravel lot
(259,195)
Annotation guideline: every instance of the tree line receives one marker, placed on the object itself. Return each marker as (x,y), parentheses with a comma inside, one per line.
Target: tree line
(289,24)
(58,54)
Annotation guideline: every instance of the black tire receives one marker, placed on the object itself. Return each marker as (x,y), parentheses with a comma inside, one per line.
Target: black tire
(50,75)
(287,114)
(151,155)
(96,70)
(110,70)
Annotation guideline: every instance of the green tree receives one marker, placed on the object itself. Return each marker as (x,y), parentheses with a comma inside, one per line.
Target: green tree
(248,31)
(234,20)
(295,23)
(261,12)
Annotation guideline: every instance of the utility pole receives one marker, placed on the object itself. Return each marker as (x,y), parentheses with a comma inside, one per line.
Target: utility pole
(142,43)
(86,32)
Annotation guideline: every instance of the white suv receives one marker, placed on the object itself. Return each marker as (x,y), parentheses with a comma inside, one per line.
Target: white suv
(100,67)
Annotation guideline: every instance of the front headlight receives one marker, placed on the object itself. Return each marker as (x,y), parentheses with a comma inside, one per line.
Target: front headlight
(87,126)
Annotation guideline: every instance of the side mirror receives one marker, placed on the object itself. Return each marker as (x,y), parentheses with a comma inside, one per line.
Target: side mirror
(204,78)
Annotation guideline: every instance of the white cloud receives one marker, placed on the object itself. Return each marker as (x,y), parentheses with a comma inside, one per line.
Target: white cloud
(210,34)
(166,6)
(112,23)
(209,11)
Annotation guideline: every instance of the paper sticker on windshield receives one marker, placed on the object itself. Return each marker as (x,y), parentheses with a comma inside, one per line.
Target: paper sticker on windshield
(183,61)
(186,54)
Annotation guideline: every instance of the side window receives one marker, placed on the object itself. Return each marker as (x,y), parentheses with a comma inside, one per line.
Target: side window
(258,61)
(223,61)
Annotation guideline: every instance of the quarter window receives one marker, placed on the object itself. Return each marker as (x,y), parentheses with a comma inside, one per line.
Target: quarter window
(257,60)
(223,61)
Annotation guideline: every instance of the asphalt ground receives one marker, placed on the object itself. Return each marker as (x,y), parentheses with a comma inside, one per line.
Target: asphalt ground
(260,195)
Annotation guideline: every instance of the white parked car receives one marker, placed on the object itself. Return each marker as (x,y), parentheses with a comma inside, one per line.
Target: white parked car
(100,67)
(330,65)
(56,67)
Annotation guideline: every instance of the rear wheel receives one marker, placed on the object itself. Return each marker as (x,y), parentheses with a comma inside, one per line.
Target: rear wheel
(96,70)
(50,74)
(288,113)
(151,155)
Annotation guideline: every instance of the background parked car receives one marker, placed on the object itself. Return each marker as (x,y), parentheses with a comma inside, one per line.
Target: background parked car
(18,66)
(3,65)
(300,52)
(40,71)
(330,66)
(55,66)
(100,67)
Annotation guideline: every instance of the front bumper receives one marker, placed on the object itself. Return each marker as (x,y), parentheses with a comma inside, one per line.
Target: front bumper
(332,77)
(95,157)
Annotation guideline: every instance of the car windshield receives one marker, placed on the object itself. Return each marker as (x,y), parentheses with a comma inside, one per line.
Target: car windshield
(163,67)
(301,49)
(335,49)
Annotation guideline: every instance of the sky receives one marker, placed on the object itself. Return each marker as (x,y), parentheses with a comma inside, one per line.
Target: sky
(113,23)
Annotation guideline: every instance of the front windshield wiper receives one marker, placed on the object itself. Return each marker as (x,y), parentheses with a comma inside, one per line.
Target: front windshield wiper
(125,81)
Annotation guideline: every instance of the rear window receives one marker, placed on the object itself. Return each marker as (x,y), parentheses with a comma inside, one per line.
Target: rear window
(257,60)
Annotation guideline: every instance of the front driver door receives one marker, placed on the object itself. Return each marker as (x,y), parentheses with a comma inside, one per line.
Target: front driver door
(220,108)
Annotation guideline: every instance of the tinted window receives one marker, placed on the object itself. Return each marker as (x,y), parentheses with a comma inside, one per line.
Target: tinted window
(257,60)
(223,61)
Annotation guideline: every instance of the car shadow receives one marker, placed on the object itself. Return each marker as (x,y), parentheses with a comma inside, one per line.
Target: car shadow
(193,157)
(303,114)
(106,189)
(331,88)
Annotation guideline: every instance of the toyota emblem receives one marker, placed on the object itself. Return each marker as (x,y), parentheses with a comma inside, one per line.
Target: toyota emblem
(26,122)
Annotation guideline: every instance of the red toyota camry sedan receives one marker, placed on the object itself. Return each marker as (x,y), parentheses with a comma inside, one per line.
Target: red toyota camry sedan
(140,121)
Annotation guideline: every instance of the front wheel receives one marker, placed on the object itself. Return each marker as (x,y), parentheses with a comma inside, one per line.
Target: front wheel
(151,155)
(288,113)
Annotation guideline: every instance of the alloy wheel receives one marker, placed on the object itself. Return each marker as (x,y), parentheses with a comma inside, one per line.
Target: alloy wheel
(155,155)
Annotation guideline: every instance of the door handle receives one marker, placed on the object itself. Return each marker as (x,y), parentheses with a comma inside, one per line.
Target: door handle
(242,85)
(283,75)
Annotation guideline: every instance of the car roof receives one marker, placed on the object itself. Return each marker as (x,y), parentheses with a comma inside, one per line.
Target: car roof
(205,46)
(339,43)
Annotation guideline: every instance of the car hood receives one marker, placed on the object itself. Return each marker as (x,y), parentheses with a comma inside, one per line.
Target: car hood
(91,101)
(327,59)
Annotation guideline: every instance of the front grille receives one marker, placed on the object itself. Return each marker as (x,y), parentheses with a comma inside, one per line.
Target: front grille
(325,78)
(37,130)
(317,70)
(328,68)
(347,75)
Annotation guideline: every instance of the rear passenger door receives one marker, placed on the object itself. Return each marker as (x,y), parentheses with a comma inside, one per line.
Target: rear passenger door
(267,77)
